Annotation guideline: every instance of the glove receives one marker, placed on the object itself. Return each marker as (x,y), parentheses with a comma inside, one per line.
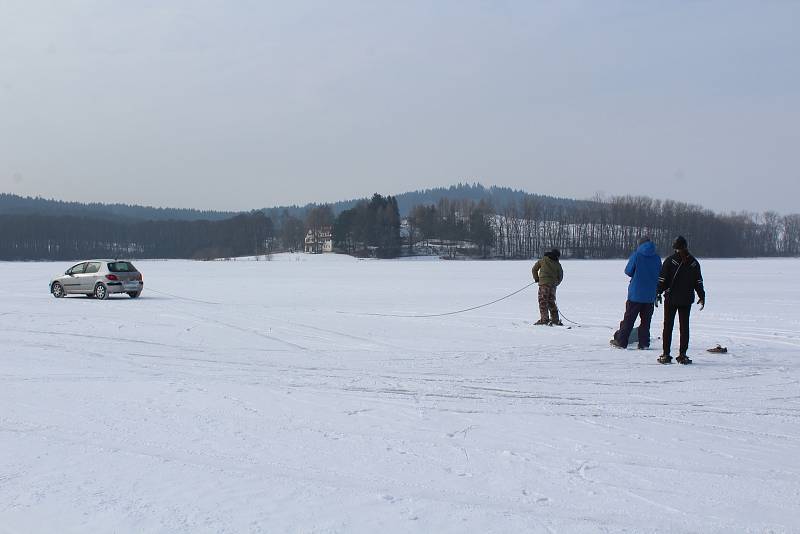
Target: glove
(659,300)
(702,303)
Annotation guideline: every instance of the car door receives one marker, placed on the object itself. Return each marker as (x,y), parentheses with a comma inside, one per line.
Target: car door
(89,277)
(72,282)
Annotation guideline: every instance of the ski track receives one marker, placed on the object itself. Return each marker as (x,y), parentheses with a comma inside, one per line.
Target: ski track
(232,409)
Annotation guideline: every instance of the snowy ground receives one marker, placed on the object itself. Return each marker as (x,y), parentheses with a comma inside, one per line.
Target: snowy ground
(268,404)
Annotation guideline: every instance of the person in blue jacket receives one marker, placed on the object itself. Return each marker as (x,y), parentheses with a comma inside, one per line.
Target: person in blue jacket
(644,268)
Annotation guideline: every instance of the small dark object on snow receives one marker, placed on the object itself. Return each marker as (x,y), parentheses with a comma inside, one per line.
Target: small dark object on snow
(665,359)
(683,359)
(719,349)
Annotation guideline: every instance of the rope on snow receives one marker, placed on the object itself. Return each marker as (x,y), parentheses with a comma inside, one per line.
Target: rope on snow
(445,313)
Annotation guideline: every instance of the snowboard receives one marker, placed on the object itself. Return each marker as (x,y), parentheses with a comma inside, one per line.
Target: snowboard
(633,339)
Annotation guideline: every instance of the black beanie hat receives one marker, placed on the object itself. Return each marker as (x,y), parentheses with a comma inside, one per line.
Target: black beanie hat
(679,243)
(556,253)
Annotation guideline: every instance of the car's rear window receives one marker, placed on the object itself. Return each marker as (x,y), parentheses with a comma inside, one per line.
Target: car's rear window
(122,267)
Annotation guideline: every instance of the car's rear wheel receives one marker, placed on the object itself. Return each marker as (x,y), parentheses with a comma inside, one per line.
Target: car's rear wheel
(134,294)
(100,292)
(57,290)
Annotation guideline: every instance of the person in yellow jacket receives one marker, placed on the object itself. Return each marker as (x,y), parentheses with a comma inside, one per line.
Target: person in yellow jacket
(548,273)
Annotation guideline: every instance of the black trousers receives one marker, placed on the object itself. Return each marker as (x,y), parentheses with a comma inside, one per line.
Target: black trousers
(669,323)
(643,310)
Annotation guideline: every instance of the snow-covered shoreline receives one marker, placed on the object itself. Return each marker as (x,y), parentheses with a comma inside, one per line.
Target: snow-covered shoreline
(250,396)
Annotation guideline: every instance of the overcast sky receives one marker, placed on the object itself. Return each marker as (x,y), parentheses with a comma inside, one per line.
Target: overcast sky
(245,104)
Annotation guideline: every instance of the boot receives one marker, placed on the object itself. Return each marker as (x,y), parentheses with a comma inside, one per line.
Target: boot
(683,359)
(542,322)
(665,359)
(556,321)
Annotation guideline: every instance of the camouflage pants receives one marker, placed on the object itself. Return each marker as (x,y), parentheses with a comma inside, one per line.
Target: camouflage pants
(547,303)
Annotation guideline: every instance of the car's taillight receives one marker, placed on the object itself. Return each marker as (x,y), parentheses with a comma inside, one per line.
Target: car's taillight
(139,276)
(112,277)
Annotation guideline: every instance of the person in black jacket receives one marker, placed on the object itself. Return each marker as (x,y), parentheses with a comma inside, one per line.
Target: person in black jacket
(680,279)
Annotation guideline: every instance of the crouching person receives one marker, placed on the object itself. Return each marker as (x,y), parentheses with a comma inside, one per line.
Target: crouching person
(548,273)
(643,267)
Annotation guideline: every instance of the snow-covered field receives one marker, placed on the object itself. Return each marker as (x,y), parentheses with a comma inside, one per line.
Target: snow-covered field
(256,397)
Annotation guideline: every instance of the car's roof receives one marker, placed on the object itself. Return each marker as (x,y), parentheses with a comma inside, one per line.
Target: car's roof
(103,260)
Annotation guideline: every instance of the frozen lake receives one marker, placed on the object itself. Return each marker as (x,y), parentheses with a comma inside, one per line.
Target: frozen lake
(252,396)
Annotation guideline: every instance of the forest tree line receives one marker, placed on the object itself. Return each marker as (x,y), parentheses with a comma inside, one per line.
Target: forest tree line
(520,227)
(68,237)
(370,228)
(602,228)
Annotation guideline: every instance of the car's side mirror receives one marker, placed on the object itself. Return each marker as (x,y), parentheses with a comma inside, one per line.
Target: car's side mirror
(68,272)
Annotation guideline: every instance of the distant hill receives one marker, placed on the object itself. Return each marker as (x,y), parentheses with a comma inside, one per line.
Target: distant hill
(499,196)
(17,205)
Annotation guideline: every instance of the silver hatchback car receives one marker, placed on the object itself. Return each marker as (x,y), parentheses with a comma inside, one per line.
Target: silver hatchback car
(99,279)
